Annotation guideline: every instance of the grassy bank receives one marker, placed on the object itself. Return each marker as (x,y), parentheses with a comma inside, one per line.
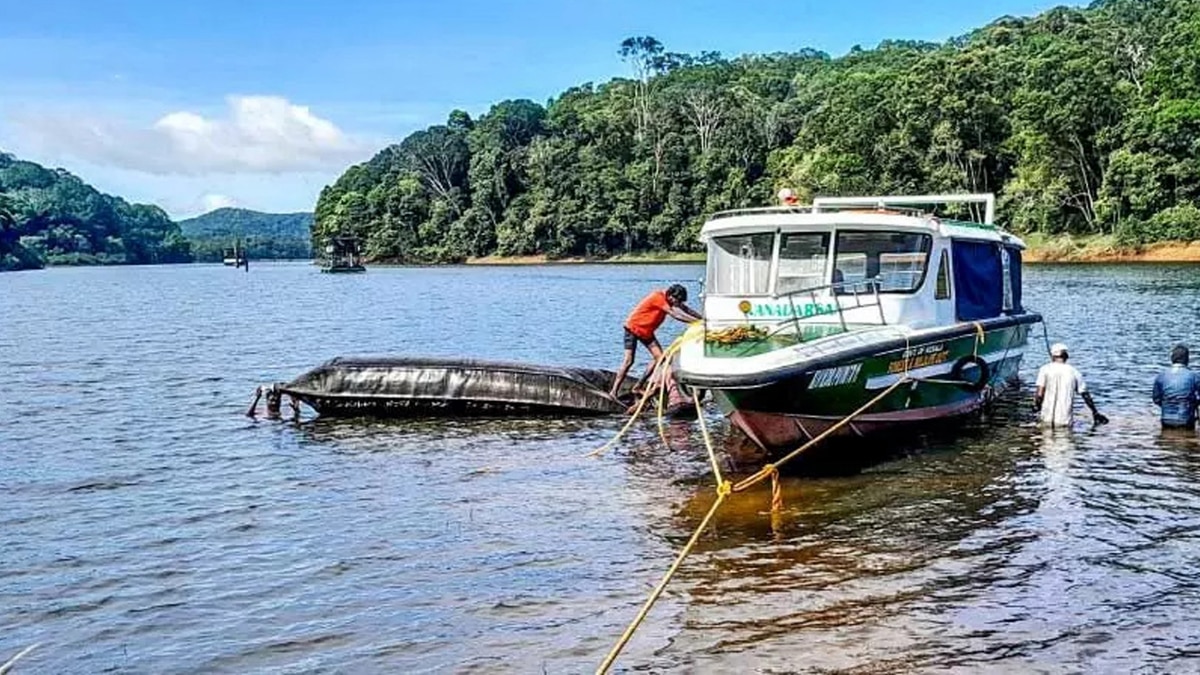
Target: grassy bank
(1104,249)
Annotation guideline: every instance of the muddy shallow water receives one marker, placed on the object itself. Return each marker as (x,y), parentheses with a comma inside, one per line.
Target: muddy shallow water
(149,527)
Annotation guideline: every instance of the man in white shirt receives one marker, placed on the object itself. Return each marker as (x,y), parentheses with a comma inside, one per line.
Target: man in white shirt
(1057,384)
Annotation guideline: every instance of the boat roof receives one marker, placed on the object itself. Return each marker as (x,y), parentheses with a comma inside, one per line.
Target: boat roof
(828,213)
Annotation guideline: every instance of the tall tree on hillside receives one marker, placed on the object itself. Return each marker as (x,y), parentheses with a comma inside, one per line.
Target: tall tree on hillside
(499,145)
(644,55)
(1065,117)
(441,157)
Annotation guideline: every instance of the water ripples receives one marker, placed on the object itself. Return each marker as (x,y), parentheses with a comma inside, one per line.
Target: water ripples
(151,528)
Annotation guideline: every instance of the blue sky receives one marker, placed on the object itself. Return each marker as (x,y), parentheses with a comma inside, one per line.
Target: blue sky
(198,104)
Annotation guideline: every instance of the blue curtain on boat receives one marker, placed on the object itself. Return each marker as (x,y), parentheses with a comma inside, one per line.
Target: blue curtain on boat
(978,280)
(1014,271)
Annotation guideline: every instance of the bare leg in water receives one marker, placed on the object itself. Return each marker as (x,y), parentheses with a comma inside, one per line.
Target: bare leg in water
(655,354)
(626,364)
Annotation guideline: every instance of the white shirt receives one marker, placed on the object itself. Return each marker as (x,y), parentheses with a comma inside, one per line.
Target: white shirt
(1060,382)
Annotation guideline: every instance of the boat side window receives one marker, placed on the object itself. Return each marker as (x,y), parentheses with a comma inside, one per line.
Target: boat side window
(740,264)
(895,261)
(942,292)
(803,258)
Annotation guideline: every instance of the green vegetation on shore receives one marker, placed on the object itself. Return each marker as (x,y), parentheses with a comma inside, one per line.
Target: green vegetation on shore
(642,258)
(49,216)
(264,236)
(1083,121)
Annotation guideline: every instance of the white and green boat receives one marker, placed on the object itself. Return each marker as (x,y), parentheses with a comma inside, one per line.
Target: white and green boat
(811,312)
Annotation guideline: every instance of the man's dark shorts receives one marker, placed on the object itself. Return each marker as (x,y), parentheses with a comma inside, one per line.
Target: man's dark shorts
(631,340)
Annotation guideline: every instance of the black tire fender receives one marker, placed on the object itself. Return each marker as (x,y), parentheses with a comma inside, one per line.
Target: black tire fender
(985,372)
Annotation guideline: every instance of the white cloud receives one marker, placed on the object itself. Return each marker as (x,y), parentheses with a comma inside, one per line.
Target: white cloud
(212,202)
(260,134)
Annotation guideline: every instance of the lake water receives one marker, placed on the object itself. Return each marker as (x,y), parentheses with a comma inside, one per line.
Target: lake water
(149,527)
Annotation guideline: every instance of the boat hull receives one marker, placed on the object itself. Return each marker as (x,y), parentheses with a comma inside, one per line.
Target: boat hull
(945,376)
(431,387)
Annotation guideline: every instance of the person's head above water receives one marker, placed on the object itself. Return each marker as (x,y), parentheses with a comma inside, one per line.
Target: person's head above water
(1180,355)
(676,294)
(1058,351)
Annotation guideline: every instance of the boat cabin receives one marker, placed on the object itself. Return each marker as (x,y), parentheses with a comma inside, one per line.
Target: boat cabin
(847,263)
(343,253)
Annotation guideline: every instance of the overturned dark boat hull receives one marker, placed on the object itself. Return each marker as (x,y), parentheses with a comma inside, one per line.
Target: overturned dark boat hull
(419,387)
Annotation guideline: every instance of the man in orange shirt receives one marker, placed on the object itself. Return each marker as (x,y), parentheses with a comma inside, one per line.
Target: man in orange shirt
(645,318)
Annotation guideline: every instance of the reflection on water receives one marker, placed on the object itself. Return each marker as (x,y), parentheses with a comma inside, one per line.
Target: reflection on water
(151,528)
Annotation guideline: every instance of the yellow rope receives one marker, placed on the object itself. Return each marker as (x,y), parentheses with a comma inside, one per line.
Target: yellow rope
(722,493)
(694,329)
(629,423)
(776,492)
(765,472)
(708,444)
(8,665)
(724,488)
(662,394)
(907,355)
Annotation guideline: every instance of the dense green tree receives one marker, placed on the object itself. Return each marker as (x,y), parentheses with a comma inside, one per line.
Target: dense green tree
(264,236)
(13,256)
(1081,120)
(53,217)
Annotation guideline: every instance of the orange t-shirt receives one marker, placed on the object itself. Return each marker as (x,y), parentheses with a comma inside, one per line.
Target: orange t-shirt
(648,315)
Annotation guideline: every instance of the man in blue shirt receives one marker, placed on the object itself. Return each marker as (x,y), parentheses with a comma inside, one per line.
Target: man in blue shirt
(1177,392)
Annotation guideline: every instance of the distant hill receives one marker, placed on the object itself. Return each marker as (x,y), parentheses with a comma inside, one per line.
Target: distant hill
(50,216)
(264,235)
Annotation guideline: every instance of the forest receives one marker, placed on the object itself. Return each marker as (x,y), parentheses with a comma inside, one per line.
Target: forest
(49,216)
(263,236)
(1082,121)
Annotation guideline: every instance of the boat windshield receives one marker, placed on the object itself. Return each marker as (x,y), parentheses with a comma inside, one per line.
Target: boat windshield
(803,259)
(896,260)
(740,264)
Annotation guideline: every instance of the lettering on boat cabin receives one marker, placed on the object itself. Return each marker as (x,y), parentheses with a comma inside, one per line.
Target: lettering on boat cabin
(920,357)
(835,377)
(787,310)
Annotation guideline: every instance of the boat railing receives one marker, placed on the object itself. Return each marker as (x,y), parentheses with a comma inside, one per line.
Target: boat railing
(982,206)
(857,290)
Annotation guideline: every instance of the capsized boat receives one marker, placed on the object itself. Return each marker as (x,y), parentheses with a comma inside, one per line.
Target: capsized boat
(811,312)
(404,387)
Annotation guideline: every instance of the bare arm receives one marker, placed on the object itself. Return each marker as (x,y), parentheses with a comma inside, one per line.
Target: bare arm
(1096,415)
(685,314)
(254,403)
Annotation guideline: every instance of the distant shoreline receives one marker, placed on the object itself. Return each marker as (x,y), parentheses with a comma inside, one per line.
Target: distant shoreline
(1065,249)
(1102,249)
(1096,249)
